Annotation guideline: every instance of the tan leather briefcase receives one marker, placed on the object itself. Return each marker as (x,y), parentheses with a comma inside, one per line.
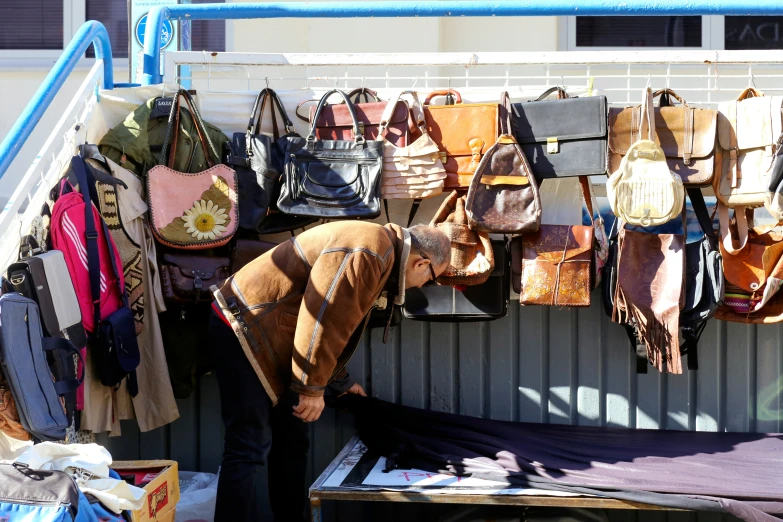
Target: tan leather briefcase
(463,133)
(686,135)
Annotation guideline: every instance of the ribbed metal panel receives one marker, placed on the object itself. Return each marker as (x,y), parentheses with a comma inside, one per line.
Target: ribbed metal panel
(539,364)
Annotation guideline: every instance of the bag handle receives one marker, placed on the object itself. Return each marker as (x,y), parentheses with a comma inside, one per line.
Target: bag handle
(504,114)
(357,132)
(647,115)
(444,92)
(415,109)
(665,94)
(561,93)
(741,215)
(256,116)
(369,95)
(172,132)
(750,92)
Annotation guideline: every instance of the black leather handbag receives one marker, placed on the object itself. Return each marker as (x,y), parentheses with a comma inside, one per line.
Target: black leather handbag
(562,138)
(485,302)
(258,161)
(704,288)
(332,179)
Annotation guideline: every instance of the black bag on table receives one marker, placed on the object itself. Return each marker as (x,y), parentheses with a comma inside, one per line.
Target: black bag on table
(485,302)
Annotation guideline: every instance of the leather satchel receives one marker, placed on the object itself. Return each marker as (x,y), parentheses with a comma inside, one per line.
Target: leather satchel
(554,266)
(503,196)
(754,275)
(332,178)
(415,170)
(686,135)
(643,190)
(192,211)
(565,137)
(258,161)
(335,122)
(187,278)
(472,255)
(445,303)
(463,133)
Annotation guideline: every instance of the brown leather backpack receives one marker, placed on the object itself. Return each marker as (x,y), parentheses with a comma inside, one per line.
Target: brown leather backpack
(503,196)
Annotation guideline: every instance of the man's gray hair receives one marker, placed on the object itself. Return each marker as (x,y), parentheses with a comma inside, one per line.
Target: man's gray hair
(431,242)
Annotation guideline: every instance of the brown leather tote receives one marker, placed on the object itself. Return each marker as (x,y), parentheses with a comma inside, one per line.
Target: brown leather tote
(463,133)
(187,278)
(554,266)
(472,256)
(686,135)
(503,196)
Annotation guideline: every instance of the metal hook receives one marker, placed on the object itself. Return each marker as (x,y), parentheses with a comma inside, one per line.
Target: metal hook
(415,81)
(362,84)
(562,83)
(752,81)
(649,82)
(266,79)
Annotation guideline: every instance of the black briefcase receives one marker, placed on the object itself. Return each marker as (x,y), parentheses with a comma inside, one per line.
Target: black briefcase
(562,138)
(485,302)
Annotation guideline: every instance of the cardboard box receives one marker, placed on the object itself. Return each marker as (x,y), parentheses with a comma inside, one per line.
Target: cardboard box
(162,489)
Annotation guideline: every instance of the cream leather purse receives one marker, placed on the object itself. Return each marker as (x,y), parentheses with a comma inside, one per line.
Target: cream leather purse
(643,191)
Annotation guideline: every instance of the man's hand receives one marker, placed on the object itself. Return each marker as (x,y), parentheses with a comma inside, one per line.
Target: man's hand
(309,408)
(356,389)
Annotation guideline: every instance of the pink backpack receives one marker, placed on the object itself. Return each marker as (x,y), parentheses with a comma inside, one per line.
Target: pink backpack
(68,234)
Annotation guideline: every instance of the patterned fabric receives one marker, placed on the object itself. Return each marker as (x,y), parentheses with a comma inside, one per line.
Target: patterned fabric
(130,252)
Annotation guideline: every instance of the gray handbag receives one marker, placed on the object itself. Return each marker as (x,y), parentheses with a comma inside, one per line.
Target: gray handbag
(332,179)
(566,137)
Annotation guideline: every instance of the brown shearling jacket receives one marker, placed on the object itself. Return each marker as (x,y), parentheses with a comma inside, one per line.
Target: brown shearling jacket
(299,310)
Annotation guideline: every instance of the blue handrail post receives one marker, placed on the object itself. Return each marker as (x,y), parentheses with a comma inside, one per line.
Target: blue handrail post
(90,33)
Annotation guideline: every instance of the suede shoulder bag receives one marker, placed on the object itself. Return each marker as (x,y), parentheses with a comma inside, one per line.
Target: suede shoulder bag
(192,211)
(332,178)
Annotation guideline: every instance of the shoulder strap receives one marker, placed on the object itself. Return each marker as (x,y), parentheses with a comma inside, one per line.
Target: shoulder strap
(172,131)
(647,116)
(504,114)
(388,112)
(587,196)
(700,208)
(740,215)
(734,167)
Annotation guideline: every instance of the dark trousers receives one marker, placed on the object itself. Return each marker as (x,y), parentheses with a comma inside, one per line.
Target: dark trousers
(257,435)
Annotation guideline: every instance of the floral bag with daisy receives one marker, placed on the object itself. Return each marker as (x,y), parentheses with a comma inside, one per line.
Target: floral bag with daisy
(191,211)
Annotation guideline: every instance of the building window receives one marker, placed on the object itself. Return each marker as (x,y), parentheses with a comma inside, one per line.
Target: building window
(753,32)
(206,35)
(31,25)
(638,31)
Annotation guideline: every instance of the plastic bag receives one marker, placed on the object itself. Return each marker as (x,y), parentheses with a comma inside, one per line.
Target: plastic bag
(197,495)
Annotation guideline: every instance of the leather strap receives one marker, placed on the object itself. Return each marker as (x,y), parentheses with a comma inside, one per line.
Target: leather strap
(414,209)
(740,215)
(734,168)
(587,196)
(700,208)
(504,114)
(669,92)
(647,115)
(358,135)
(444,92)
(256,119)
(561,93)
(172,132)
(368,95)
(416,118)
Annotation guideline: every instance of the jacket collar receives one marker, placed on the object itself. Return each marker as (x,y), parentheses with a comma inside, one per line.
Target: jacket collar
(401,239)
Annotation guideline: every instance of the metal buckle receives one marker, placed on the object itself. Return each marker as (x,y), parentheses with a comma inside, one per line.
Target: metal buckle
(91,235)
(552,146)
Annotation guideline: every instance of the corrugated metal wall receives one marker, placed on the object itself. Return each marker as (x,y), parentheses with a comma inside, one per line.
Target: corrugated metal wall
(539,364)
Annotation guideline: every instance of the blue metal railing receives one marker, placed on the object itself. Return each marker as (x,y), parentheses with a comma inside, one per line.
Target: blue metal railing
(94,33)
(386,9)
(90,33)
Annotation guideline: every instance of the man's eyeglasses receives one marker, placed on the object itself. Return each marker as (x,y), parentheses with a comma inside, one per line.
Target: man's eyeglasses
(432,271)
